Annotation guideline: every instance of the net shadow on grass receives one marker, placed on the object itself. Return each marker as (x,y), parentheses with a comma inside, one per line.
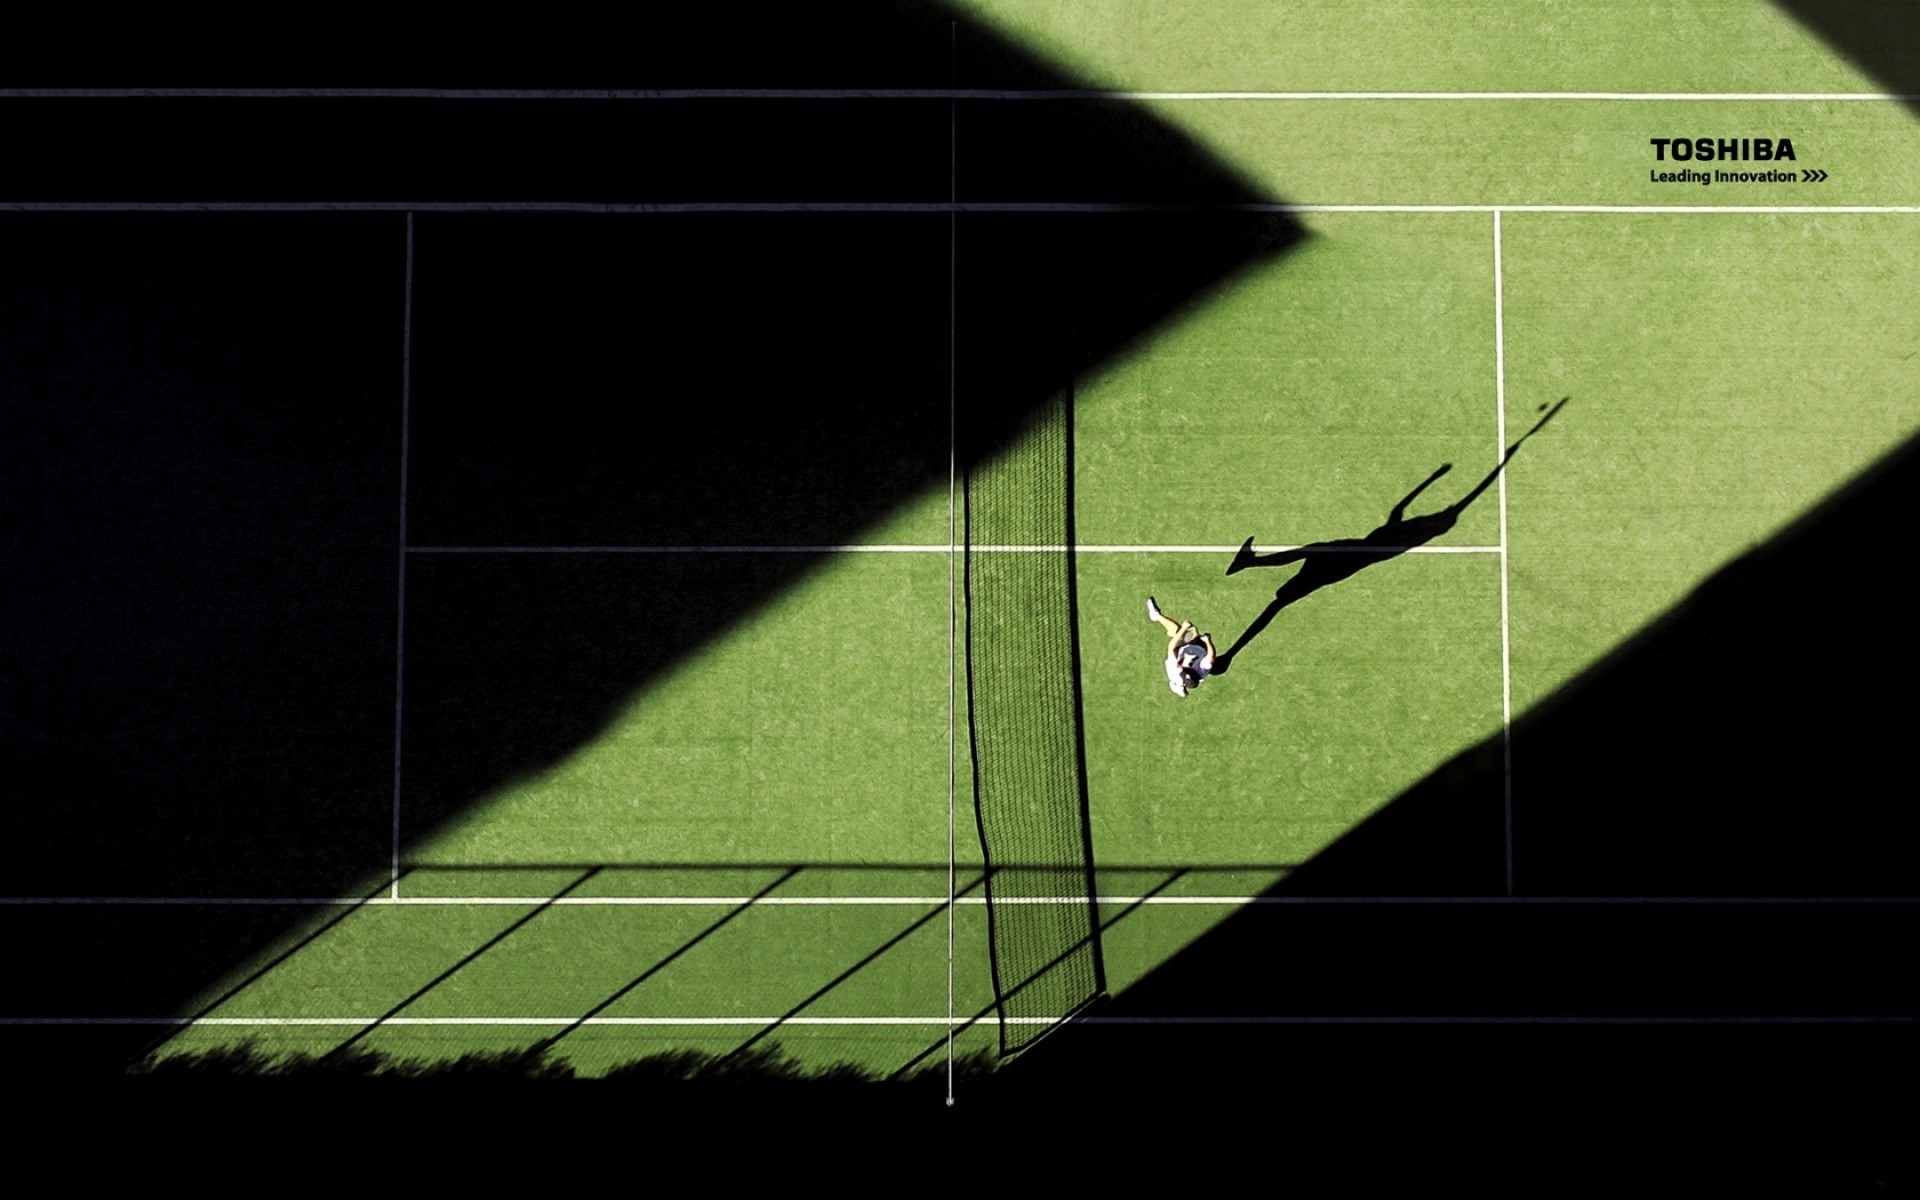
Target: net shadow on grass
(205,414)
(154,1052)
(755,1058)
(746,1070)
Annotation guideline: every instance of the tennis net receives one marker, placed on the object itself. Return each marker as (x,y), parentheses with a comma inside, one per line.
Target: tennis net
(1024,729)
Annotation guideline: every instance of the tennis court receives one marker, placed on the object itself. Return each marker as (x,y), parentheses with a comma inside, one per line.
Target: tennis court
(504,606)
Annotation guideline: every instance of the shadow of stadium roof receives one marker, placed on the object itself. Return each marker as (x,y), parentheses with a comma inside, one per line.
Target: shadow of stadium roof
(269,713)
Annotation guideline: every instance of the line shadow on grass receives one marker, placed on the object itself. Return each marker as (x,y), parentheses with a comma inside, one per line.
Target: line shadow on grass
(916,1064)
(546,1045)
(348,1046)
(757,1060)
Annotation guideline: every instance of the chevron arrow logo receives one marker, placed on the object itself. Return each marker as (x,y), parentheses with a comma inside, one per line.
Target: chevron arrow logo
(1808,175)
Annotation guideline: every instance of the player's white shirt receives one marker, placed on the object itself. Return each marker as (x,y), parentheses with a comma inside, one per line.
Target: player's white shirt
(1193,657)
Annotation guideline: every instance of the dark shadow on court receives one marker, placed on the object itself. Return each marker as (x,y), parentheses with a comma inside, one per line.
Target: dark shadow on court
(1330,562)
(1881,39)
(546,1045)
(203,499)
(1713,855)
(746,1049)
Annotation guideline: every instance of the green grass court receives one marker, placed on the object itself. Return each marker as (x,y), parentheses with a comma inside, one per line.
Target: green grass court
(619,768)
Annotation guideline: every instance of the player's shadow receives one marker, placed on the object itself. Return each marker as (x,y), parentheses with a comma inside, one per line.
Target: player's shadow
(1330,562)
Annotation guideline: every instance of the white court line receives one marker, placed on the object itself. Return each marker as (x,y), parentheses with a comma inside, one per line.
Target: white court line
(936,548)
(881,206)
(948,1022)
(544,1022)
(951,208)
(946,93)
(935,901)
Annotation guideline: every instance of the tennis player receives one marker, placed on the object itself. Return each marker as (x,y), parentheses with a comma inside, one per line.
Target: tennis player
(1189,653)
